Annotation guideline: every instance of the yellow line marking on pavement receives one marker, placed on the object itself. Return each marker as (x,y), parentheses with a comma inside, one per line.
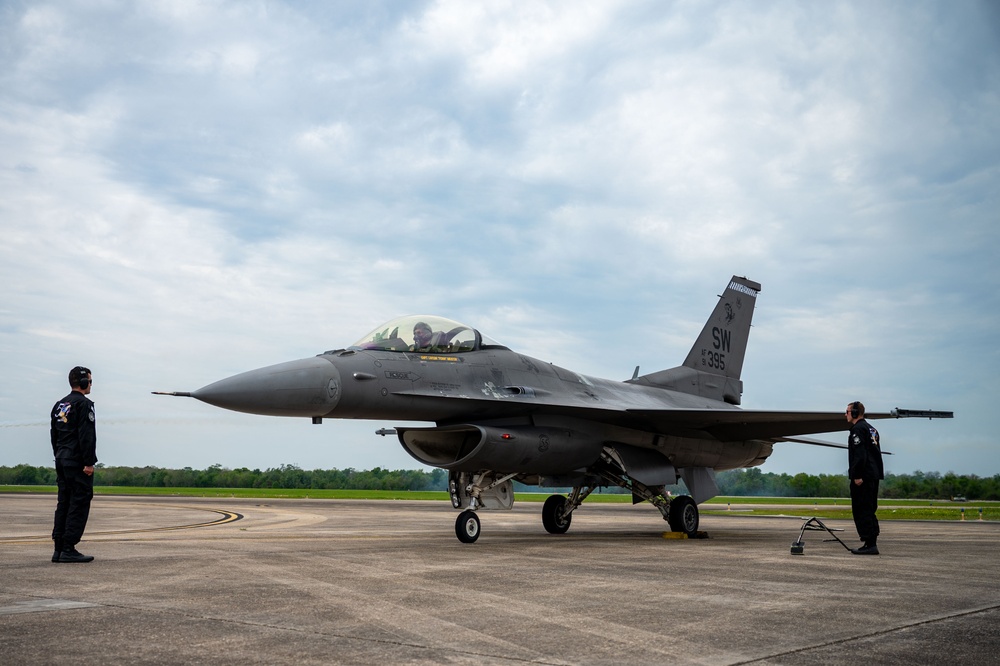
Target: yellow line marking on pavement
(227,517)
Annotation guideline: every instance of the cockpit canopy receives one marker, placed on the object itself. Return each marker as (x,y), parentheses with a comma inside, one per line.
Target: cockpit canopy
(425,333)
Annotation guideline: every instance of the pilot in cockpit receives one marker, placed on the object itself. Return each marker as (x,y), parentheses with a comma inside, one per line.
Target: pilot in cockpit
(422,337)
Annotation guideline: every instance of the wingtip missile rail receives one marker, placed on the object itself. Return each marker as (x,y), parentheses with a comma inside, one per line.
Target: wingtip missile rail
(920,414)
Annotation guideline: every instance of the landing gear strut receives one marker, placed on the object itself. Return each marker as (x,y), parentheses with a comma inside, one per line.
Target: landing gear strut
(680,512)
(557,512)
(480,490)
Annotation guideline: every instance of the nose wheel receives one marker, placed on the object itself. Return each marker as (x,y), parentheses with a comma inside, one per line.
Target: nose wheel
(467,526)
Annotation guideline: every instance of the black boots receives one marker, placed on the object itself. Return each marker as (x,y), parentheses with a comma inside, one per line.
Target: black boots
(868,549)
(71,554)
(64,553)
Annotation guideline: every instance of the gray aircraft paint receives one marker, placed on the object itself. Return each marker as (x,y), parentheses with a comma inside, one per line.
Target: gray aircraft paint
(501,416)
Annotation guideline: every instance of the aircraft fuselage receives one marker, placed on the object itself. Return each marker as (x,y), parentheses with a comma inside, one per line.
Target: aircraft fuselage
(493,386)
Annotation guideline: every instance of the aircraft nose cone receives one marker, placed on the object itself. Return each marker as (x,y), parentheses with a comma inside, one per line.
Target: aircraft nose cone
(307,387)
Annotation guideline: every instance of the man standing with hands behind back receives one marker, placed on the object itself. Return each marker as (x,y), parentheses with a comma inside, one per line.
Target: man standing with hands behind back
(74,443)
(864,472)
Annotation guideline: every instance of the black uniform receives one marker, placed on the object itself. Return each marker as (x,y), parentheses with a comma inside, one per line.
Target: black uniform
(864,462)
(74,443)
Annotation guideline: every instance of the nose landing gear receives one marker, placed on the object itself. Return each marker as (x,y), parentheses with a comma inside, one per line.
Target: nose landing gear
(467,526)
(482,490)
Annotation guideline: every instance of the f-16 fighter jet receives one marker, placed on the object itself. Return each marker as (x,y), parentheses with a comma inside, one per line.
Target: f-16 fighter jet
(499,416)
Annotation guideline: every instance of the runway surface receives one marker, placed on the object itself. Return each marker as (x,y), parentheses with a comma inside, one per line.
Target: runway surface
(236,581)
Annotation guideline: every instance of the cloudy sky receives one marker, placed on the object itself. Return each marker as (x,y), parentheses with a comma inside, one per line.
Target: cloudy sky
(193,189)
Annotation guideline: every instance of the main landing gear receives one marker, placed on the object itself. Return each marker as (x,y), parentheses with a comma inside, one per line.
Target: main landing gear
(557,512)
(683,515)
(555,518)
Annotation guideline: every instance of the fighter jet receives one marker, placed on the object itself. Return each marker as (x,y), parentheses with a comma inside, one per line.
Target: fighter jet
(500,416)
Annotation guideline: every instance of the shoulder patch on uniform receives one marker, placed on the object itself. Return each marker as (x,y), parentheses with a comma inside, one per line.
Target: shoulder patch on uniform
(62,411)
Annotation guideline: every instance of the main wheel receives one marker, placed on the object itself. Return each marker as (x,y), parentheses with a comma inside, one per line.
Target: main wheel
(684,515)
(467,526)
(552,516)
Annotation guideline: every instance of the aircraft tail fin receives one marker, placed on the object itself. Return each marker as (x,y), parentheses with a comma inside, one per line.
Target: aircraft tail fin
(723,342)
(713,366)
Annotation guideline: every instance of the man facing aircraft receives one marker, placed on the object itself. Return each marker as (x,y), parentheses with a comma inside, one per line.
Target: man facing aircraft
(864,471)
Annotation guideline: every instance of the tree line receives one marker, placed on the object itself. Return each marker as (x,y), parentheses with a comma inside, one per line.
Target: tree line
(739,483)
(217,476)
(918,485)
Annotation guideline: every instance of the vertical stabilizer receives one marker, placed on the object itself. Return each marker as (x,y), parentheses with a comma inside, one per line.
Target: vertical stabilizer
(713,366)
(722,344)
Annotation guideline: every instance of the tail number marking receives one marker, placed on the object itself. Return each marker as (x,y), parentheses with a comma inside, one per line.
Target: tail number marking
(721,341)
(713,359)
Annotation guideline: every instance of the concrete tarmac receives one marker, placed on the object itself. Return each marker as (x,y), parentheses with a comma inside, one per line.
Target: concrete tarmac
(237,581)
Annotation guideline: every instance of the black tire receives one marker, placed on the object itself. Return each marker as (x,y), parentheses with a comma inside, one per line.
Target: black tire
(552,518)
(684,515)
(467,526)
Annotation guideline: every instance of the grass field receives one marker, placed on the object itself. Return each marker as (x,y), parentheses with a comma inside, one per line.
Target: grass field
(826,507)
(823,507)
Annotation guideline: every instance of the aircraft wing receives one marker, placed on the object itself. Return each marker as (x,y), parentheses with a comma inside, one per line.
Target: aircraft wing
(724,424)
(740,424)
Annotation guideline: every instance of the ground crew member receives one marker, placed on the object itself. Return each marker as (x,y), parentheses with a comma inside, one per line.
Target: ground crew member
(864,472)
(74,444)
